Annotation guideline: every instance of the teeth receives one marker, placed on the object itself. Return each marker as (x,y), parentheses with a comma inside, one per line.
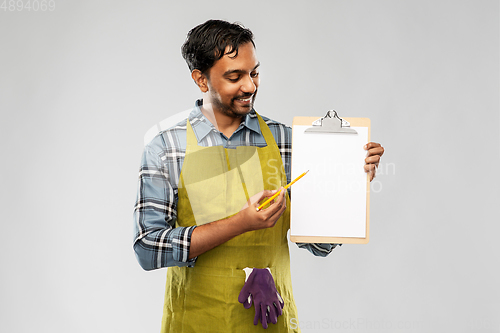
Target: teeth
(245,100)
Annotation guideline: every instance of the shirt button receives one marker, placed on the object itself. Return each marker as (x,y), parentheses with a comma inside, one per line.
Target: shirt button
(229,142)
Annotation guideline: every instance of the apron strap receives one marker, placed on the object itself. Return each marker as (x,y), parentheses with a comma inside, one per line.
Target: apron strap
(266,132)
(191,139)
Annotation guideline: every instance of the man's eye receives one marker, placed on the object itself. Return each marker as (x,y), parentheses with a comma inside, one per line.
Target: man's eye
(254,74)
(233,79)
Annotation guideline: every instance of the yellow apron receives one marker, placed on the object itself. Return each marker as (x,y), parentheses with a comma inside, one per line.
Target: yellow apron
(219,181)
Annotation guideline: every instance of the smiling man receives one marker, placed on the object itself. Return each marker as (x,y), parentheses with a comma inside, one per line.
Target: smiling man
(233,84)
(200,184)
(230,86)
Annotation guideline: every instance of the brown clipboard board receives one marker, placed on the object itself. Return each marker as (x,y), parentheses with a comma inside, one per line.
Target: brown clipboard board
(354,122)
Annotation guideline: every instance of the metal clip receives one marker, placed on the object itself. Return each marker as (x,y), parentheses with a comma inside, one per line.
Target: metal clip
(331,123)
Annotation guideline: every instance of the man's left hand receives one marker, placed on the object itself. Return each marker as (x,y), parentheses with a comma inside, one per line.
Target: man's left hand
(374,152)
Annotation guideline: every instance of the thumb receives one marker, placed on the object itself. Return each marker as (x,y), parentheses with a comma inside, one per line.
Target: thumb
(244,293)
(268,193)
(256,198)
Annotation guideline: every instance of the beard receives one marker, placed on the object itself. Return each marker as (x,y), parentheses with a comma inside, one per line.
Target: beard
(232,110)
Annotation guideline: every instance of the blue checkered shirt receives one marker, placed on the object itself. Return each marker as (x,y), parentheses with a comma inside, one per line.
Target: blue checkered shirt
(157,242)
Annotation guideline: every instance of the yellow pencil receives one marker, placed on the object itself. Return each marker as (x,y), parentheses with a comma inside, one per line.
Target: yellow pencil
(284,188)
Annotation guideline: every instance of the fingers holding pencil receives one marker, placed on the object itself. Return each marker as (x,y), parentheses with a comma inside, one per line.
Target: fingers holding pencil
(265,218)
(279,203)
(274,196)
(270,199)
(276,206)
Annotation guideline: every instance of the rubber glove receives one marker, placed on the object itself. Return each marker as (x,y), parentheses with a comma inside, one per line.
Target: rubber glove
(260,289)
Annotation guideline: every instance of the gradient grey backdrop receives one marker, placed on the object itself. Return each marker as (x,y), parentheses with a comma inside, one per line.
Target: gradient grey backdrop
(81,85)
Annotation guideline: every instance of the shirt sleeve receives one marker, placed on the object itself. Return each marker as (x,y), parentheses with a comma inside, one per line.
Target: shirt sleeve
(157,243)
(318,249)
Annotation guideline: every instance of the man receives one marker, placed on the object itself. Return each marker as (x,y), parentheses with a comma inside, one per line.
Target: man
(200,184)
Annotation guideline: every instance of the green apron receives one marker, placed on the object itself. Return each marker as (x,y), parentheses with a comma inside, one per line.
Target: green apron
(215,183)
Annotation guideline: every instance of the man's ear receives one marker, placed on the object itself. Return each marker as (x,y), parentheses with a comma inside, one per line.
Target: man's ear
(200,79)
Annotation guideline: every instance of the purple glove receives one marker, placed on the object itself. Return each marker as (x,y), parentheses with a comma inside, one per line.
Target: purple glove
(260,288)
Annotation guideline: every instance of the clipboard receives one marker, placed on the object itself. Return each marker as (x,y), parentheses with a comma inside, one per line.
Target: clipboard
(331,204)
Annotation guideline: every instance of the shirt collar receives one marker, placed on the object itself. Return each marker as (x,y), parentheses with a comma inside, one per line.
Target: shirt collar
(252,122)
(202,126)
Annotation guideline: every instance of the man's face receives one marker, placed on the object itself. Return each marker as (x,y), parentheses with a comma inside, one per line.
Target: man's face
(233,82)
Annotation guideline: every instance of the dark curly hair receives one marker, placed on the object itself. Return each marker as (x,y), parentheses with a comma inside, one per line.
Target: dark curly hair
(207,43)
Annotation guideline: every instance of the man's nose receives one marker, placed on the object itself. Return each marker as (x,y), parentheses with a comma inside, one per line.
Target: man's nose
(248,85)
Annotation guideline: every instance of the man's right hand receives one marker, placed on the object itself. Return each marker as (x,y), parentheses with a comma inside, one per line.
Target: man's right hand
(207,236)
(264,218)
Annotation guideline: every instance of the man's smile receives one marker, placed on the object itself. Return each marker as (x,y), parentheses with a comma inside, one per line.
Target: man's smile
(244,100)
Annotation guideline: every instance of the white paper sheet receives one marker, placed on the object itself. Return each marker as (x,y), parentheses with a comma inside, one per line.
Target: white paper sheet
(330,200)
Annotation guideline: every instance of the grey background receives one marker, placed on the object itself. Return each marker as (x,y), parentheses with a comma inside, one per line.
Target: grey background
(81,85)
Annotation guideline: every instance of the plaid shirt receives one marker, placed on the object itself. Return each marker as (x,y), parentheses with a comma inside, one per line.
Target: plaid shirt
(157,242)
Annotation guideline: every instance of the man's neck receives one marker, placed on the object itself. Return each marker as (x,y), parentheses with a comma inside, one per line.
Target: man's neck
(223,123)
